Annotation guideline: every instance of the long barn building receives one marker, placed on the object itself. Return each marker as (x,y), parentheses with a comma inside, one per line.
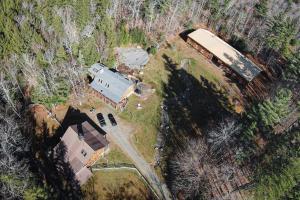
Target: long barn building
(214,48)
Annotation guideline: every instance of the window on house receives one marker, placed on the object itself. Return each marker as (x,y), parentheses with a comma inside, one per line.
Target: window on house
(83,152)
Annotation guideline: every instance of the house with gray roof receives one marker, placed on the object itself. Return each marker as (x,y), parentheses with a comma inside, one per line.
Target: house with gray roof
(84,145)
(112,87)
(133,58)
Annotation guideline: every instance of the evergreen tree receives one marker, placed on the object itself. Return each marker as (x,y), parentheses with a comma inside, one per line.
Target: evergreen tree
(123,35)
(261,8)
(281,31)
(279,175)
(292,72)
(35,193)
(270,112)
(11,39)
(293,193)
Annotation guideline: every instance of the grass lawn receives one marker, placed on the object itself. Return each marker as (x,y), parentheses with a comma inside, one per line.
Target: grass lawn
(115,156)
(121,184)
(146,120)
(155,73)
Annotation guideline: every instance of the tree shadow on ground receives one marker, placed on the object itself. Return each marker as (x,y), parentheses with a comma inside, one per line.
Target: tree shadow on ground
(192,106)
(184,34)
(90,193)
(190,102)
(49,162)
(73,116)
(53,170)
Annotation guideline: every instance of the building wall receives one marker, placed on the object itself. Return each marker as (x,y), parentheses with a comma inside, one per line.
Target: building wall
(201,49)
(96,156)
(115,105)
(129,91)
(105,99)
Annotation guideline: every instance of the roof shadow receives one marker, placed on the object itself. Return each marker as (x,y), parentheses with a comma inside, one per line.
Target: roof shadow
(184,34)
(74,116)
(52,169)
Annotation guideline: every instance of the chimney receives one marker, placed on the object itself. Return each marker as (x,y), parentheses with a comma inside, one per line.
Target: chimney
(80,131)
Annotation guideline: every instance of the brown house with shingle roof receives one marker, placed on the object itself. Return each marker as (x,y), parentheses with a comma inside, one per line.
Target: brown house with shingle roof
(84,146)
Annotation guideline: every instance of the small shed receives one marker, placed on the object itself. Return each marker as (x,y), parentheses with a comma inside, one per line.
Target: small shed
(134,58)
(144,90)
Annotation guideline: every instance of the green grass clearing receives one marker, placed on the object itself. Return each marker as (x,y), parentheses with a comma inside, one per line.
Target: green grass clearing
(147,119)
(114,156)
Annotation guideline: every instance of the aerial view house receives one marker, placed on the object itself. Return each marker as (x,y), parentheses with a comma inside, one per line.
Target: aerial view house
(84,145)
(112,87)
(214,48)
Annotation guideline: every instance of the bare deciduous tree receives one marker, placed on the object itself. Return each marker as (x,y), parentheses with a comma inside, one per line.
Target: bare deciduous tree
(69,25)
(14,175)
(186,167)
(222,136)
(7,89)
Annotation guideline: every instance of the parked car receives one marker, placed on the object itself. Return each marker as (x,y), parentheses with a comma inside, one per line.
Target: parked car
(112,119)
(101,119)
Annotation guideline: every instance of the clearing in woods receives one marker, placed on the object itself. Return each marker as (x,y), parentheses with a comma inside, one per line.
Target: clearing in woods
(147,119)
(116,184)
(145,122)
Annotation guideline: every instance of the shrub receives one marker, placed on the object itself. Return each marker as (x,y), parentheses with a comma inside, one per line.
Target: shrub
(152,50)
(138,36)
(124,37)
(58,96)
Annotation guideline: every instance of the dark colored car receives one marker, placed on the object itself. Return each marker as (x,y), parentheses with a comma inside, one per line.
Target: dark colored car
(112,119)
(101,119)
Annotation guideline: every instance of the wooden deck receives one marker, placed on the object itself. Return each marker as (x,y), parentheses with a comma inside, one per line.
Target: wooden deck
(287,122)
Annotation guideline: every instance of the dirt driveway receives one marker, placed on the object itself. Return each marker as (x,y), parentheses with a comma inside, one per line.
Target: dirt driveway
(120,135)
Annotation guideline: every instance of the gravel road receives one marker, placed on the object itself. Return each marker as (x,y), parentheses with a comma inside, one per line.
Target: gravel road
(120,136)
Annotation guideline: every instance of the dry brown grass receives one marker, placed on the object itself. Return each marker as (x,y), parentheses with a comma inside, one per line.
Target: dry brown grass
(121,184)
(43,120)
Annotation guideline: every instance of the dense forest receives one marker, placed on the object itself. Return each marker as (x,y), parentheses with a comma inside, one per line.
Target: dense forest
(46,47)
